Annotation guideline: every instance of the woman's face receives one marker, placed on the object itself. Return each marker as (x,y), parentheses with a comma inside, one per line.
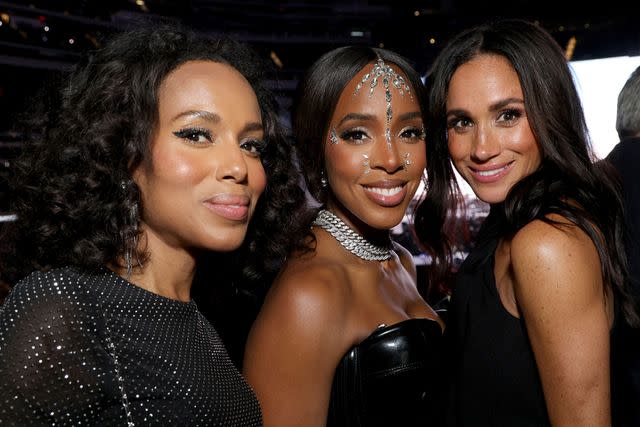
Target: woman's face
(375,149)
(202,182)
(490,140)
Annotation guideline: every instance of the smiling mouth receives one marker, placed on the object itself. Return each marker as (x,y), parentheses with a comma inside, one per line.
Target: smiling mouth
(385,191)
(491,173)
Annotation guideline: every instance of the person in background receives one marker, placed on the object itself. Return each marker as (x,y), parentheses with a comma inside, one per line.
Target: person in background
(625,157)
(344,338)
(535,300)
(152,161)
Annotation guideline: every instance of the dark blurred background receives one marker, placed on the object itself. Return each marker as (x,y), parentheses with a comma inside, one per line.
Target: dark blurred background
(41,39)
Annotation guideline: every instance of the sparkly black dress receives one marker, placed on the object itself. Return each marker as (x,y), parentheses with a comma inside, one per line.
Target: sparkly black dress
(93,349)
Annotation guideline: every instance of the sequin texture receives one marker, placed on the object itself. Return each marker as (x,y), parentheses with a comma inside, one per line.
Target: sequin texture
(93,349)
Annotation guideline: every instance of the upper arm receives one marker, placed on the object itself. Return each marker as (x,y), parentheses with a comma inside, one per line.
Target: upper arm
(559,292)
(47,351)
(294,347)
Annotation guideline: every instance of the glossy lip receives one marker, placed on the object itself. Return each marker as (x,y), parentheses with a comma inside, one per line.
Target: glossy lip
(234,207)
(500,171)
(387,200)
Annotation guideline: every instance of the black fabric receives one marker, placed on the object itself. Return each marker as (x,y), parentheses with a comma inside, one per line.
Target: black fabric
(389,379)
(93,349)
(625,344)
(495,381)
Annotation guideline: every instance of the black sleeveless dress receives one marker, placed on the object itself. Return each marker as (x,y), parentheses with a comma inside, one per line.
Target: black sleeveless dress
(495,378)
(389,379)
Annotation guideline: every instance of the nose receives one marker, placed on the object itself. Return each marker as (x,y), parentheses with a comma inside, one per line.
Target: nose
(484,146)
(385,155)
(232,164)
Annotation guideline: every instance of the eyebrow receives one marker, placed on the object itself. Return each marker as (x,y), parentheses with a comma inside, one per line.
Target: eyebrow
(214,118)
(504,102)
(493,107)
(366,117)
(207,115)
(410,116)
(356,116)
(252,127)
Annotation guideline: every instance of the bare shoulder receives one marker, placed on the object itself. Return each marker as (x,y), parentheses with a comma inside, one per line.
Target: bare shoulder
(406,258)
(540,241)
(308,295)
(558,260)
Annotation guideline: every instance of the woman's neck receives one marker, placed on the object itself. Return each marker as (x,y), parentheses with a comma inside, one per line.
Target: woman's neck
(168,270)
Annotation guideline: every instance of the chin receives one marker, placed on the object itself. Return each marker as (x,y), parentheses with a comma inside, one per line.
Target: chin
(225,242)
(491,198)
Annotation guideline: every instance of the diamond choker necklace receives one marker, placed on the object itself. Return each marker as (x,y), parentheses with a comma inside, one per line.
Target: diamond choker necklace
(349,239)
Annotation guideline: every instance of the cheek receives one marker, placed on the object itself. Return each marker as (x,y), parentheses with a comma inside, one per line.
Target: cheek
(345,162)
(179,168)
(257,178)
(526,143)
(457,147)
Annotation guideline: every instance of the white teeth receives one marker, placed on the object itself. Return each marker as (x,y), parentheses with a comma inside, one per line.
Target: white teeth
(385,191)
(491,172)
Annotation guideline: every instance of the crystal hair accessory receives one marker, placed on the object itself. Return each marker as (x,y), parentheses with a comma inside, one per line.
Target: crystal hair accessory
(389,79)
(349,239)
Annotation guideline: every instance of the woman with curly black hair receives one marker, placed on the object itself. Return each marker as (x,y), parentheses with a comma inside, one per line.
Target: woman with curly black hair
(152,161)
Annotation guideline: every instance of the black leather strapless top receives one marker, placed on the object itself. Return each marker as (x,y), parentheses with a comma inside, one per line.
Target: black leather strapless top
(389,378)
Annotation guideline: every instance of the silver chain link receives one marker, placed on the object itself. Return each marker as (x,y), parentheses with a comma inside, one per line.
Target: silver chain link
(349,239)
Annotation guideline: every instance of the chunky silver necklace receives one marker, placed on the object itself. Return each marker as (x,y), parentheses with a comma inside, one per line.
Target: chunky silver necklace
(349,239)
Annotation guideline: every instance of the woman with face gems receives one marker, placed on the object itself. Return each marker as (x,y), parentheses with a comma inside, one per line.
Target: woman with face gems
(344,337)
(536,299)
(151,163)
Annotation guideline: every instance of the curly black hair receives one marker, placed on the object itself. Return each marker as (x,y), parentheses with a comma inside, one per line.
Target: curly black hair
(72,189)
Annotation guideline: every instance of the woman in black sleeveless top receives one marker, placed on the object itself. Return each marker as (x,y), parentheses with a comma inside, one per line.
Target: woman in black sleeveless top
(534,302)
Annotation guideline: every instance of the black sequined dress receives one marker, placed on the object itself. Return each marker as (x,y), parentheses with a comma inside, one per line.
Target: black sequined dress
(93,349)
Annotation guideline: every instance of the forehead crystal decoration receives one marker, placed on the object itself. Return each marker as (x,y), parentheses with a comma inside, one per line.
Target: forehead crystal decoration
(389,79)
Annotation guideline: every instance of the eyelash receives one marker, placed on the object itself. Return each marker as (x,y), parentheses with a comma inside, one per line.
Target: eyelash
(192,135)
(416,133)
(463,122)
(513,112)
(350,136)
(456,122)
(254,147)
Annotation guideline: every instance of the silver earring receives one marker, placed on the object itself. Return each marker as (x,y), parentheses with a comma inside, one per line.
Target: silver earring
(323,180)
(133,222)
(130,231)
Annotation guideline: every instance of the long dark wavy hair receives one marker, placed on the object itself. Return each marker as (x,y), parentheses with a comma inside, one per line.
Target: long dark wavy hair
(72,189)
(568,182)
(317,96)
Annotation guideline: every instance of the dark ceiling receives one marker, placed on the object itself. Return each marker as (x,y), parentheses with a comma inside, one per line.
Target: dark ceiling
(40,39)
(42,36)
